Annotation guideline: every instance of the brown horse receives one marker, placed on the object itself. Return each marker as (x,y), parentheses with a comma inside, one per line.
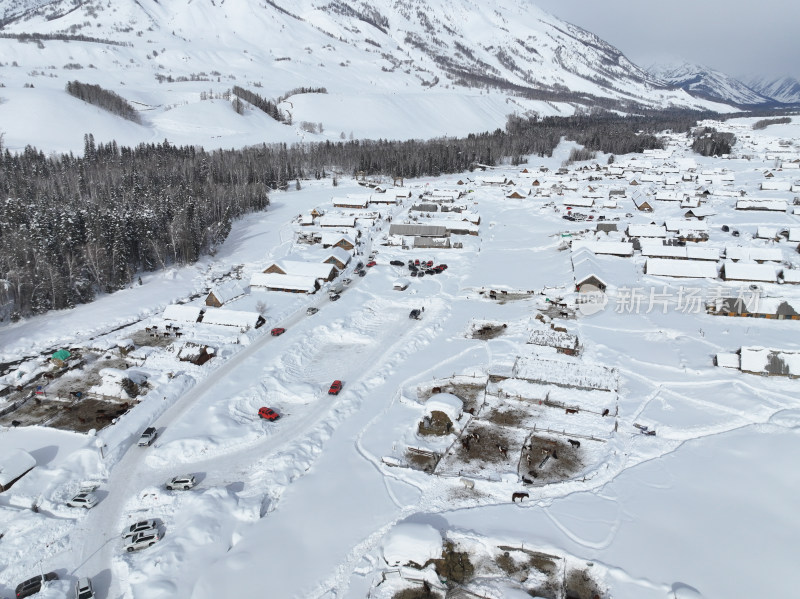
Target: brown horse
(520,496)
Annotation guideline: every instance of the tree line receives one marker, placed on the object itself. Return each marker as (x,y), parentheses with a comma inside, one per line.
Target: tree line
(72,227)
(103,98)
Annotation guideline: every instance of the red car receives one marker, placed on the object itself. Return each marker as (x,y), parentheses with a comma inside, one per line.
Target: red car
(371,263)
(277,331)
(268,414)
(336,386)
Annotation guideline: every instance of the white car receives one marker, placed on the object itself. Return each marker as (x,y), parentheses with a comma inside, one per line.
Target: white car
(84,590)
(142,540)
(148,436)
(87,500)
(141,526)
(185,482)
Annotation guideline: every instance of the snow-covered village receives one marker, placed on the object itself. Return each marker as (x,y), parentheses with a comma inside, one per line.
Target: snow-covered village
(566,374)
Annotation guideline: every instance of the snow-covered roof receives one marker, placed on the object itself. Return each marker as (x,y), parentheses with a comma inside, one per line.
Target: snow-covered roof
(643,230)
(752,204)
(318,270)
(361,201)
(794,234)
(332,238)
(694,269)
(614,248)
(410,542)
(565,373)
(553,338)
(182,313)
(578,201)
(333,220)
(228,291)
(277,281)
(340,254)
(231,318)
(764,232)
(791,275)
(770,361)
(448,403)
(700,212)
(679,224)
(742,271)
(738,252)
(13,464)
(728,360)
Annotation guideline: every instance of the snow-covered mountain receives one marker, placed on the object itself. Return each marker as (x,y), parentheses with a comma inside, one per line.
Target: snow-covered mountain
(708,83)
(391,68)
(784,89)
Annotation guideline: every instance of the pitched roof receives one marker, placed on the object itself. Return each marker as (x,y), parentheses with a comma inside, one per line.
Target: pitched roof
(317,270)
(278,281)
(228,290)
(182,313)
(231,318)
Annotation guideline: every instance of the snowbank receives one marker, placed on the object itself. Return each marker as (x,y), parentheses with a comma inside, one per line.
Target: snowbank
(412,543)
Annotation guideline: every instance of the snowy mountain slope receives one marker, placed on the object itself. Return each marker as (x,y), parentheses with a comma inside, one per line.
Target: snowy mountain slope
(709,83)
(784,89)
(416,57)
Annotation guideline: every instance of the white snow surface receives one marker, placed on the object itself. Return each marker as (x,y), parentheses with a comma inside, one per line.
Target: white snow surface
(311,497)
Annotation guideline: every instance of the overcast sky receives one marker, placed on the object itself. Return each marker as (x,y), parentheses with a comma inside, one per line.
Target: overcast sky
(738,37)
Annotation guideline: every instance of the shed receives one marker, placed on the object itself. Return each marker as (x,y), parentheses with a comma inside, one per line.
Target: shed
(432,242)
(14,464)
(447,403)
(418,230)
(183,313)
(61,354)
(346,242)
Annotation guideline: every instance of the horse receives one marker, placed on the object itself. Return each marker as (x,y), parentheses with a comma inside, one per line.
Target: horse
(520,496)
(571,411)
(605,412)
(574,443)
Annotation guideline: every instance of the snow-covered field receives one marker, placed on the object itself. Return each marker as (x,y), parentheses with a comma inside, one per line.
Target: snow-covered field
(302,506)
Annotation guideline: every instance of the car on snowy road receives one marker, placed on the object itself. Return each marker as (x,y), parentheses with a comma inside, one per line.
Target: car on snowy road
(336,386)
(83,589)
(185,482)
(277,331)
(268,414)
(87,500)
(148,436)
(142,540)
(141,526)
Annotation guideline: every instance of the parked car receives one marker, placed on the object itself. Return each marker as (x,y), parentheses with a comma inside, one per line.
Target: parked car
(336,386)
(413,273)
(371,263)
(148,436)
(277,331)
(396,262)
(430,263)
(334,296)
(34,585)
(416,262)
(347,281)
(185,482)
(312,310)
(83,589)
(362,273)
(141,526)
(268,414)
(416,314)
(359,266)
(142,540)
(87,500)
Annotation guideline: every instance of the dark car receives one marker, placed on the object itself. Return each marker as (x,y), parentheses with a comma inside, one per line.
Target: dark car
(359,266)
(413,273)
(277,331)
(34,585)
(415,314)
(268,414)
(336,386)
(362,273)
(396,262)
